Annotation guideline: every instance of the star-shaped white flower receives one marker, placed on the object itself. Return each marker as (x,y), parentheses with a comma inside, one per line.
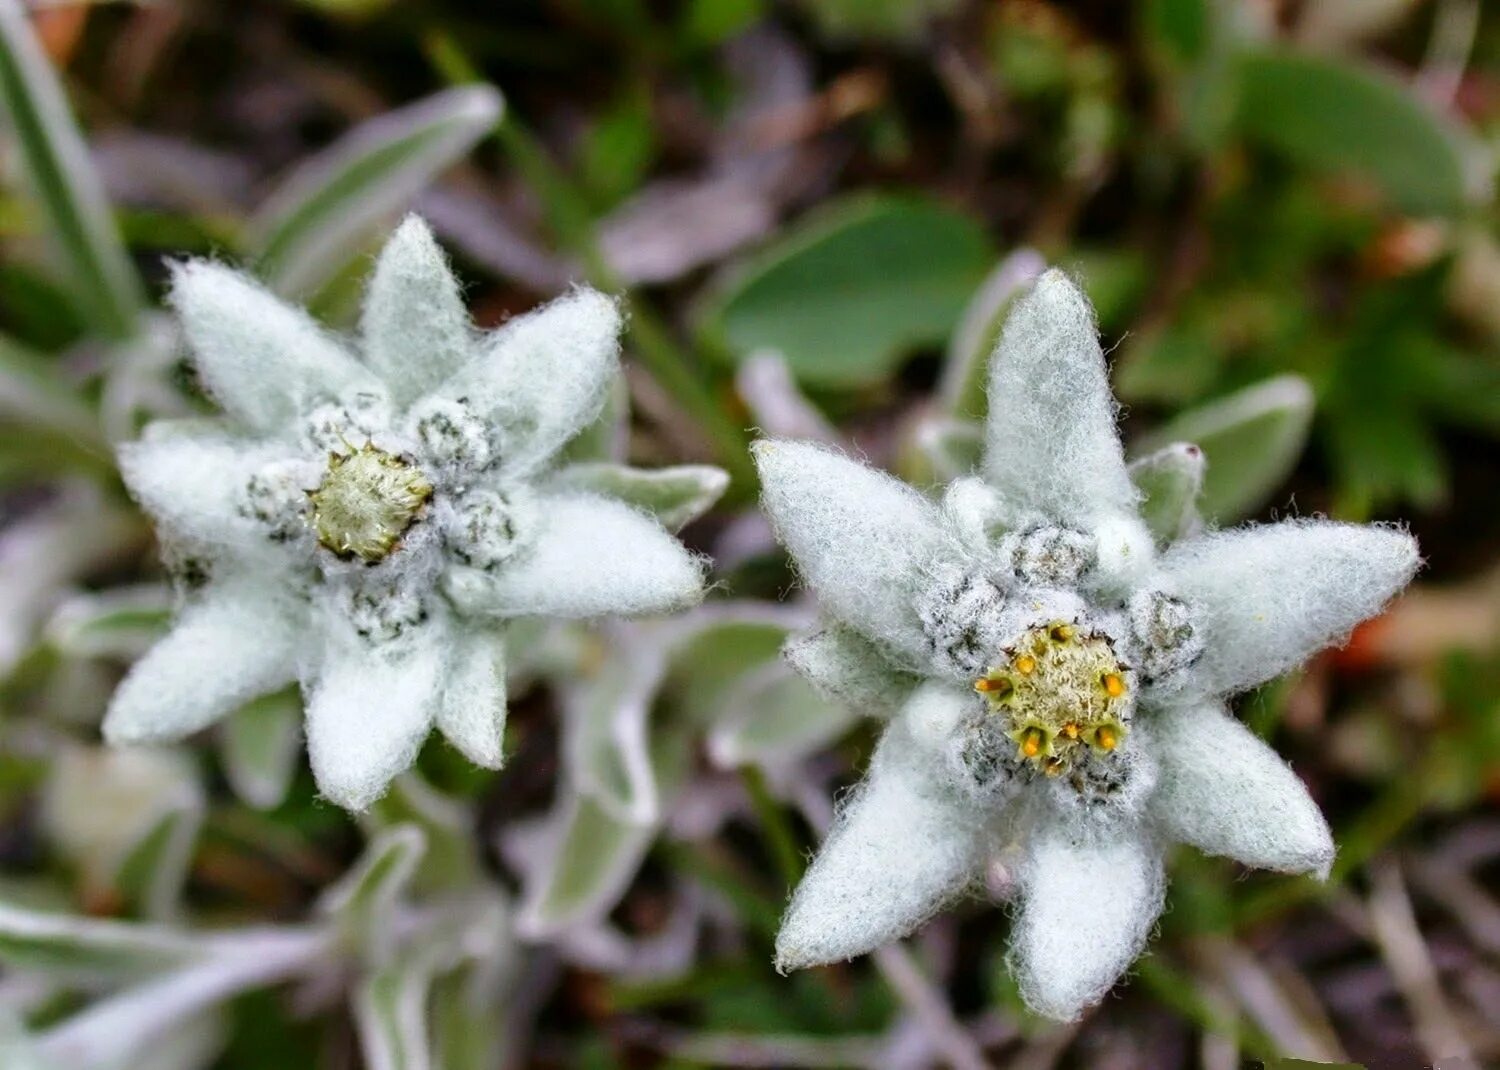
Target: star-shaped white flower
(364,524)
(1054,684)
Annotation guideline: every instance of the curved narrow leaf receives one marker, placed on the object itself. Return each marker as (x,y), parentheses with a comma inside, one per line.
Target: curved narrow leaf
(945,449)
(451,861)
(773,717)
(845,295)
(1170,481)
(1335,114)
(364,898)
(325,210)
(674,495)
(89,951)
(966,366)
(1251,441)
(609,732)
(35,394)
(390,1010)
(152,875)
(260,747)
(588,861)
(121,623)
(100,276)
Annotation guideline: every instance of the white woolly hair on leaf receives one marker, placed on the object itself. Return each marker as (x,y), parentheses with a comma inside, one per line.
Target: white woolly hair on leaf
(237,641)
(1127,554)
(544,376)
(934,713)
(370,706)
(975,514)
(844,667)
(901,849)
(261,359)
(1051,443)
(471,713)
(1268,597)
(415,327)
(1087,908)
(591,557)
(1227,793)
(192,478)
(861,539)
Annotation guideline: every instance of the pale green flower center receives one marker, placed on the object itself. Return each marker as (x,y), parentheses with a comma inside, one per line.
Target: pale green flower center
(367,500)
(1062,691)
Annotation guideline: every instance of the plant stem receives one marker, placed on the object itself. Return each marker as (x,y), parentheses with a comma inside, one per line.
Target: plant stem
(773,822)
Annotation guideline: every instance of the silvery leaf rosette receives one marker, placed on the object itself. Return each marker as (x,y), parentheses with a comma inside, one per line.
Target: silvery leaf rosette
(364,523)
(1054,681)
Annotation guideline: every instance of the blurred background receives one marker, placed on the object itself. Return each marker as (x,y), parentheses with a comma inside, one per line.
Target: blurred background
(817,212)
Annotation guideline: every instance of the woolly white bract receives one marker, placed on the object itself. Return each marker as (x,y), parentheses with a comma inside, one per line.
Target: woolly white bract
(364,524)
(1053,673)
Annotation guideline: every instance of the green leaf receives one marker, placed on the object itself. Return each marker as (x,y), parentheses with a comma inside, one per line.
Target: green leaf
(35,394)
(76,214)
(1384,453)
(390,1011)
(121,623)
(720,645)
(607,437)
(773,716)
(326,210)
(945,449)
(848,293)
(1251,441)
(608,725)
(1170,481)
(152,875)
(961,391)
(451,860)
(675,495)
(1335,114)
(589,860)
(1183,27)
(87,950)
(260,747)
(364,898)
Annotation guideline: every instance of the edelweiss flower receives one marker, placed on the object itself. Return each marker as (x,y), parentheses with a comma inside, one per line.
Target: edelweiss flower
(365,526)
(1055,686)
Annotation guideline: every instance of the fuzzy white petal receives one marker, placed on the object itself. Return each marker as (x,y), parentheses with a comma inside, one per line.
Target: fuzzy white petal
(237,642)
(901,849)
(415,327)
(263,360)
(1051,446)
(370,708)
(191,477)
(1227,793)
(861,539)
(845,667)
(591,557)
(1087,908)
(1268,597)
(471,714)
(544,376)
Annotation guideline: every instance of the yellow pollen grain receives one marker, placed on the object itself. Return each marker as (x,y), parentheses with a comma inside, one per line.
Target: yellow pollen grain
(1070,730)
(1026,665)
(1113,685)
